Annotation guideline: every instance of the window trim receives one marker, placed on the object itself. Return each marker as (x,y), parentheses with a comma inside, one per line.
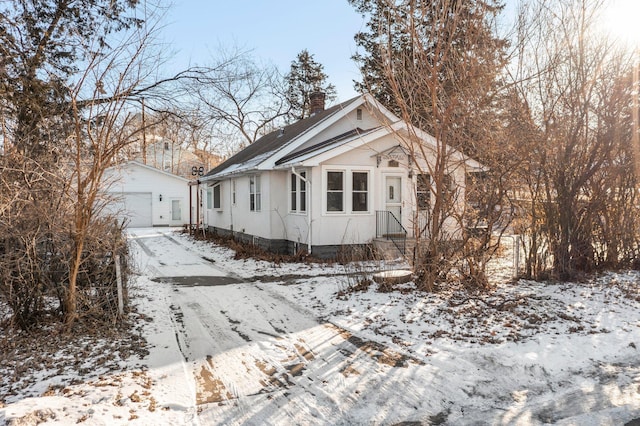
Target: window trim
(302,189)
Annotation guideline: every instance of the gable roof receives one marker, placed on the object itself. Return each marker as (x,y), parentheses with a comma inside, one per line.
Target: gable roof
(290,145)
(135,163)
(251,156)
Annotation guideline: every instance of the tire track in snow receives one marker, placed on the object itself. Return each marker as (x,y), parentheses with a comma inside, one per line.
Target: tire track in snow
(250,348)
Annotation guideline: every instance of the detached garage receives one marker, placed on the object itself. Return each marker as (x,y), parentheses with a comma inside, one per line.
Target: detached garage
(144,196)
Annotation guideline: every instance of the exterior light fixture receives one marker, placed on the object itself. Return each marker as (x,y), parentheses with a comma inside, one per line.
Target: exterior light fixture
(160,197)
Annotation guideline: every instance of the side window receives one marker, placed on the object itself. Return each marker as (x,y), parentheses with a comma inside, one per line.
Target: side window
(216,197)
(303,193)
(448,189)
(294,193)
(423,191)
(254,193)
(298,192)
(209,198)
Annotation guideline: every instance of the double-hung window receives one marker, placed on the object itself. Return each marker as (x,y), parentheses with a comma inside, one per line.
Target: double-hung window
(360,191)
(209,198)
(347,191)
(254,193)
(335,191)
(448,190)
(298,193)
(216,197)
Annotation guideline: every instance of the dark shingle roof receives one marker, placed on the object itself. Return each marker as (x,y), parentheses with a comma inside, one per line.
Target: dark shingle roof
(277,139)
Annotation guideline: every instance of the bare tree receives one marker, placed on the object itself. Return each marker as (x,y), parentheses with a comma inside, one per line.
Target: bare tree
(570,83)
(436,65)
(246,99)
(55,239)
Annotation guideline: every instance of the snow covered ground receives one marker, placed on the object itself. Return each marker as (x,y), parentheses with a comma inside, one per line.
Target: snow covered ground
(252,342)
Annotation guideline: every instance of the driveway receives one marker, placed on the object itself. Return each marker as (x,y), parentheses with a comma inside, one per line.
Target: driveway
(255,356)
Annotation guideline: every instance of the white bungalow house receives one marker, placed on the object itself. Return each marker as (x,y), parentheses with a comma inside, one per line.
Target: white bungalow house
(143,196)
(338,178)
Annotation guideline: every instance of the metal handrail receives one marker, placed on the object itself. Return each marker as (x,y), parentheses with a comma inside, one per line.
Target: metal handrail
(388,226)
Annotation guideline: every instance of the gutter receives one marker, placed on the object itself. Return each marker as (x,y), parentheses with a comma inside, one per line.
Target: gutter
(228,175)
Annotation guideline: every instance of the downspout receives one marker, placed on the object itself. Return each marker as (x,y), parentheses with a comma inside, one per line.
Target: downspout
(308,191)
(231,192)
(197,207)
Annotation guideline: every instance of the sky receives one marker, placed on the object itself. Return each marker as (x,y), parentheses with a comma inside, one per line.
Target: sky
(275,31)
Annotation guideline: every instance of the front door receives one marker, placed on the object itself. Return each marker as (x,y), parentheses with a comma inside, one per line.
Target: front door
(393,196)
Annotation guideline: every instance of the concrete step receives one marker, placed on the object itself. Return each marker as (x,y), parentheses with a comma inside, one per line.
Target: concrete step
(388,251)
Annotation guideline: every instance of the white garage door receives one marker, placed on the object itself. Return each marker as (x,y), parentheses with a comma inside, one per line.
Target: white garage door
(136,209)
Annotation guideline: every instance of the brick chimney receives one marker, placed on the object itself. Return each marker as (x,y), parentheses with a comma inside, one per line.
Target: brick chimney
(316,102)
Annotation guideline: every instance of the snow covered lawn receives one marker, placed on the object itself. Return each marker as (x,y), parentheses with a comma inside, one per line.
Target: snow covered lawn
(252,342)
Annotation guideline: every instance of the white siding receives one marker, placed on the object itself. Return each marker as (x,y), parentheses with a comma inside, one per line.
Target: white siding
(136,209)
(276,221)
(148,194)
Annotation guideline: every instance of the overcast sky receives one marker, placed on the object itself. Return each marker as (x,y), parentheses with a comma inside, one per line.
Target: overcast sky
(275,30)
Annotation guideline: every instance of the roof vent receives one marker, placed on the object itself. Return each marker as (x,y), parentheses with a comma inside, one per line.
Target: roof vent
(281,131)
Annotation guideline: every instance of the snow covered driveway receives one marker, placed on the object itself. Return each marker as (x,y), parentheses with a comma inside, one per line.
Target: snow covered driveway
(255,356)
